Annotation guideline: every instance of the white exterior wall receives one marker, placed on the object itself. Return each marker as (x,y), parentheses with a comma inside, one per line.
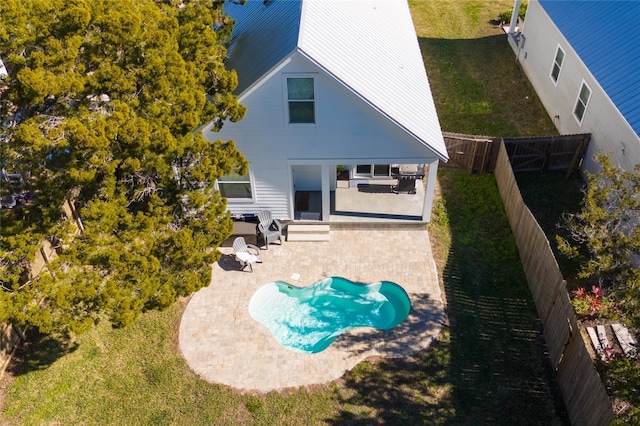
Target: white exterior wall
(347,131)
(610,132)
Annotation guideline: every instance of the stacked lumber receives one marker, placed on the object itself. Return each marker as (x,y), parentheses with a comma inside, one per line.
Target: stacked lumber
(602,346)
(628,345)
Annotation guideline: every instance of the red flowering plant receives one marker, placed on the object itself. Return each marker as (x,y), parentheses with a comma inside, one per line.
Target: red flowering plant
(592,303)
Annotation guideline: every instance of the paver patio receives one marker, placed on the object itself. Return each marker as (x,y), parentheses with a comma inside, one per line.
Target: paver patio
(223,344)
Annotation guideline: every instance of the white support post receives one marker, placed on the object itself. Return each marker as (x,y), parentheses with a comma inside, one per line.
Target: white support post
(326,193)
(429,191)
(514,17)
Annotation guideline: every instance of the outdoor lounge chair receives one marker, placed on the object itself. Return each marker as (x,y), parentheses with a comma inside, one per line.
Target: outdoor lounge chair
(244,255)
(269,229)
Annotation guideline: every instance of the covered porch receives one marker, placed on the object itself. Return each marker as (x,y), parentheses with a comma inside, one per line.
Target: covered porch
(365,200)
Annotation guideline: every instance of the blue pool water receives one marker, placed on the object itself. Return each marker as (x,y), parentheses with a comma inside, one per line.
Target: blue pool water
(308,319)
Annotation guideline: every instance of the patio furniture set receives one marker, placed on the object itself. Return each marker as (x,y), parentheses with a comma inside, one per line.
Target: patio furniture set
(269,230)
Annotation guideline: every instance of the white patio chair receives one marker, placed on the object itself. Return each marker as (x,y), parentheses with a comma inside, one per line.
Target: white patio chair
(244,254)
(270,229)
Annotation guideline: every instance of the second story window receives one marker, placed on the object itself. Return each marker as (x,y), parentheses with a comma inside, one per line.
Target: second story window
(301,100)
(557,65)
(582,102)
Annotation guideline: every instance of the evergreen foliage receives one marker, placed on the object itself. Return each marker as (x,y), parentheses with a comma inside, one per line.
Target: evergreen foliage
(605,235)
(100,105)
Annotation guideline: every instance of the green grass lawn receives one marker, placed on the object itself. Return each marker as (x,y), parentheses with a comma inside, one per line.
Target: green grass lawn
(489,365)
(549,196)
(476,82)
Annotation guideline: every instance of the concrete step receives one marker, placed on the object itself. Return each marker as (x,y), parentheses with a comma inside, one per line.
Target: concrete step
(305,228)
(308,237)
(303,232)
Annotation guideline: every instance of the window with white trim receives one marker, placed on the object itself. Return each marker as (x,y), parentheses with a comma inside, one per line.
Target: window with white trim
(582,102)
(557,64)
(236,186)
(301,100)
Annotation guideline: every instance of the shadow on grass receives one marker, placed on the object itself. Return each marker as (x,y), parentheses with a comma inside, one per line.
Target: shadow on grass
(490,366)
(425,320)
(549,196)
(402,392)
(38,352)
(499,368)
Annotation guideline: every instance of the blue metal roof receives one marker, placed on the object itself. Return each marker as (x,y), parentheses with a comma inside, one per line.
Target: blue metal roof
(605,35)
(265,32)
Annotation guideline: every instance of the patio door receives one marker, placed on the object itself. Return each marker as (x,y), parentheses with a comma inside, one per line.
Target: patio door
(307,192)
(372,171)
(307,178)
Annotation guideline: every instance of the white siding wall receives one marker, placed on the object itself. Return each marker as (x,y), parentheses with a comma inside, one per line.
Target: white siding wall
(307,177)
(347,131)
(610,133)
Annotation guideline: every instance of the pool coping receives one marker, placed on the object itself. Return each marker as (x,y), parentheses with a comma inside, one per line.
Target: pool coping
(223,344)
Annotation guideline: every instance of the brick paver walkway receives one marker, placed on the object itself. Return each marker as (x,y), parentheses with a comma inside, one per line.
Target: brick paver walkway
(223,344)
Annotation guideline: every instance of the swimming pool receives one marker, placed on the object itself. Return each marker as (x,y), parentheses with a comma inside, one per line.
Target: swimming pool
(309,319)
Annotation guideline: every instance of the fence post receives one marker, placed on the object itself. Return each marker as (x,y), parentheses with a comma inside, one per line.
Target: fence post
(578,155)
(473,157)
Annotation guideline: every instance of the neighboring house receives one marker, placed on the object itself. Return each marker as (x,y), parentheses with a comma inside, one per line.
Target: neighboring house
(3,69)
(583,60)
(326,84)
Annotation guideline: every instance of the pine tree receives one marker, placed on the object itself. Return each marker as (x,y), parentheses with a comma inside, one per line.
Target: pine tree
(101,104)
(605,235)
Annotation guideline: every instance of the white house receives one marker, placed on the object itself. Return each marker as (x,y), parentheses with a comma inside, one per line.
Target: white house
(3,70)
(583,59)
(326,83)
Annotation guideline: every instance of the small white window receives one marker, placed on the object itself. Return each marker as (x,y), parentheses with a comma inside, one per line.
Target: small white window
(582,102)
(236,186)
(301,100)
(557,64)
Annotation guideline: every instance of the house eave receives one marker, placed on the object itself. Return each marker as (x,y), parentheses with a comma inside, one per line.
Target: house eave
(442,156)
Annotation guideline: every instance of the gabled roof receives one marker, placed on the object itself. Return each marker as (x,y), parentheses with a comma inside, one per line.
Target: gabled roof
(265,33)
(370,46)
(605,36)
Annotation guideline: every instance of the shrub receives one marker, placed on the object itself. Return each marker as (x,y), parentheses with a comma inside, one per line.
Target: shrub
(591,304)
(505,16)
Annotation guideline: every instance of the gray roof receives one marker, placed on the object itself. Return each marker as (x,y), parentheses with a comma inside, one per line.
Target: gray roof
(264,34)
(604,34)
(370,46)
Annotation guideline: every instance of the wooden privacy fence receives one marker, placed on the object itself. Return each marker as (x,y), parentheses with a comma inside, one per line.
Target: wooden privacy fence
(47,252)
(584,394)
(479,153)
(10,336)
(471,153)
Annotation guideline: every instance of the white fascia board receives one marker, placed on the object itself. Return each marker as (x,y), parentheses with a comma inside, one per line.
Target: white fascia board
(440,156)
